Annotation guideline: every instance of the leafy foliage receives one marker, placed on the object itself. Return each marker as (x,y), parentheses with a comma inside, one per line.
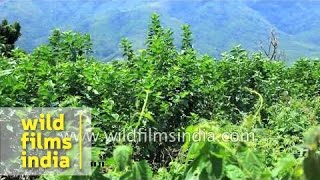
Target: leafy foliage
(264,106)
(9,34)
(217,25)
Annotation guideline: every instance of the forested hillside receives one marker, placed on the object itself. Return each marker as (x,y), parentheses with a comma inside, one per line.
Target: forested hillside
(218,25)
(173,88)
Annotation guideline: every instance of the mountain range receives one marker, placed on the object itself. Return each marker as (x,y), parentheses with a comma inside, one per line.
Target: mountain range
(217,25)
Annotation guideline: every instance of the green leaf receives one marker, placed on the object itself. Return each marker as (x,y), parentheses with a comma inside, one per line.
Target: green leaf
(5,72)
(122,156)
(141,170)
(234,173)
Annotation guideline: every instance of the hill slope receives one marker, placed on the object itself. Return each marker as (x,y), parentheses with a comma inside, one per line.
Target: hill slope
(217,25)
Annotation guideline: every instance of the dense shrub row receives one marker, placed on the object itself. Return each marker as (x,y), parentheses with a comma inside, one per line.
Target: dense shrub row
(169,88)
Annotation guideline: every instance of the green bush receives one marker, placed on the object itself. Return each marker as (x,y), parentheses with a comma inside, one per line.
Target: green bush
(175,90)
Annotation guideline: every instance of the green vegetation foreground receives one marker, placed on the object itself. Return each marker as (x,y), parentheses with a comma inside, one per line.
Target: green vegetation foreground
(173,89)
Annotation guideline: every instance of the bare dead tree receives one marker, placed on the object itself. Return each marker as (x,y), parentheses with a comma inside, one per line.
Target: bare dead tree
(272,51)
